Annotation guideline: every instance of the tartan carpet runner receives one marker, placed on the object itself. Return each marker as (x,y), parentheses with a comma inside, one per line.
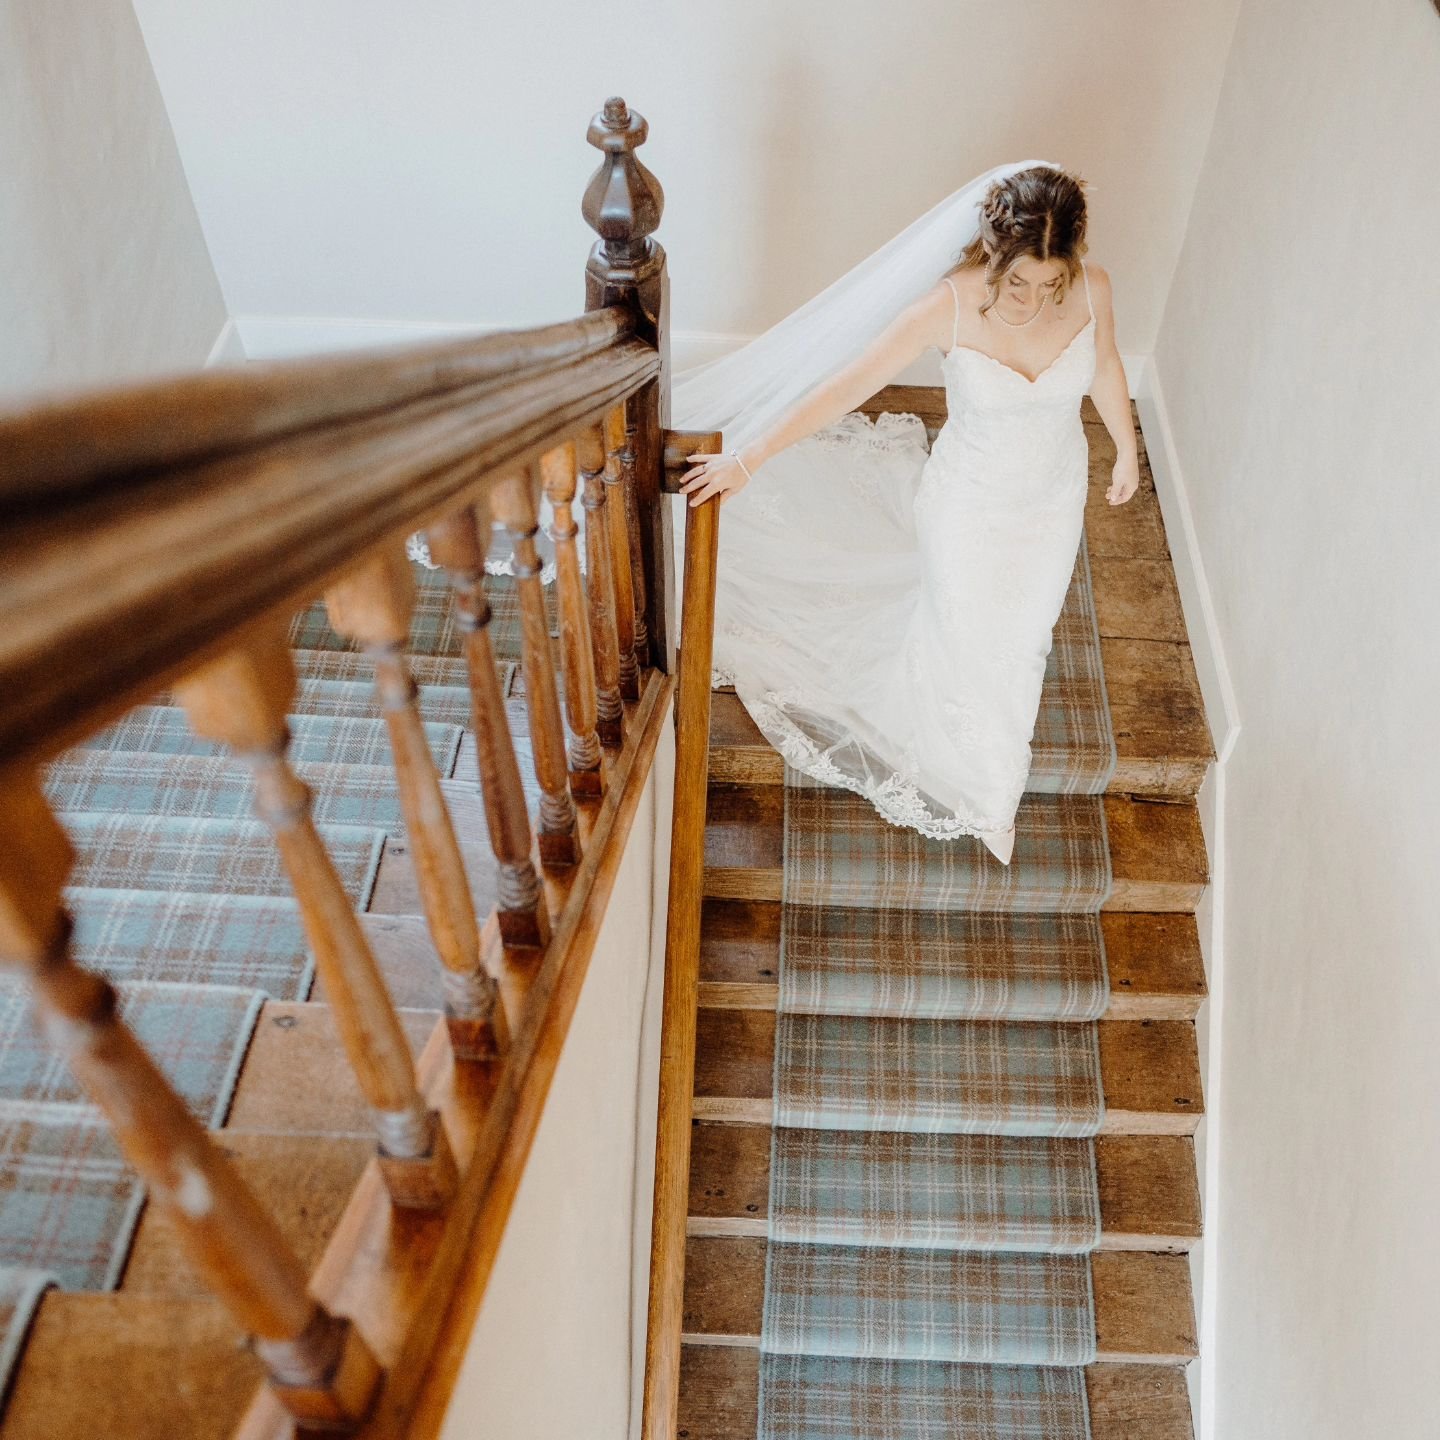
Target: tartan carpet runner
(933,1197)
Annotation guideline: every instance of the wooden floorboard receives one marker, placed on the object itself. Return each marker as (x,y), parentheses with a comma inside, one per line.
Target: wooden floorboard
(296,1077)
(719,1393)
(303,1182)
(130,1367)
(1149,1196)
(1157,848)
(1154,962)
(1149,1072)
(1144,1311)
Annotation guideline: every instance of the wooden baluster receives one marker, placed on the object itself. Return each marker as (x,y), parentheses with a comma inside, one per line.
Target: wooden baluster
(321,1369)
(514,501)
(241,700)
(557,474)
(373,607)
(632,535)
(623,204)
(624,588)
(600,587)
(456,543)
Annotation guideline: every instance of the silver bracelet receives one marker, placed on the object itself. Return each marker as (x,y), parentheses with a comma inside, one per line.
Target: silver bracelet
(742,464)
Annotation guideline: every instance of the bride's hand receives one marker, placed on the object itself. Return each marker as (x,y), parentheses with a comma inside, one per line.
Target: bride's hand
(1124,481)
(720,475)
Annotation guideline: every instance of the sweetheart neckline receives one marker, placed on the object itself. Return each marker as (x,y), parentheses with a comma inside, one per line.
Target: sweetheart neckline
(984,356)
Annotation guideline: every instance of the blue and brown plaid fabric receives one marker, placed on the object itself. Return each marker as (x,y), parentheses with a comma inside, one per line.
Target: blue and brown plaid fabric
(320,667)
(989,1306)
(839,850)
(938,1192)
(125,851)
(68,1200)
(933,1197)
(956,964)
(990,1077)
(196,1034)
(840,1397)
(344,740)
(192,938)
(355,699)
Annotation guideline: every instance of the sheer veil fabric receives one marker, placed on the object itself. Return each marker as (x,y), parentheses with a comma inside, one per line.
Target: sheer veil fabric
(885,608)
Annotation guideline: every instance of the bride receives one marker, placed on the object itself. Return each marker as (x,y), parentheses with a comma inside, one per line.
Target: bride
(884,607)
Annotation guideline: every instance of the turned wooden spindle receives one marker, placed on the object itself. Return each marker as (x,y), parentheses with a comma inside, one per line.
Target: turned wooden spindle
(624,589)
(600,586)
(628,453)
(241,700)
(373,606)
(514,503)
(557,474)
(321,1369)
(456,543)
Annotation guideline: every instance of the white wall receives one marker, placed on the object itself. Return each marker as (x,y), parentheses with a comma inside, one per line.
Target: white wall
(363,161)
(1296,370)
(558,1350)
(104,273)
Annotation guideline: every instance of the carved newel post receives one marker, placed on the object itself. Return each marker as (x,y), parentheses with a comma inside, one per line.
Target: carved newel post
(623,204)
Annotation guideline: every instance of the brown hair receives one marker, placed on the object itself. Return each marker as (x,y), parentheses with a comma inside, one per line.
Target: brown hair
(1038,212)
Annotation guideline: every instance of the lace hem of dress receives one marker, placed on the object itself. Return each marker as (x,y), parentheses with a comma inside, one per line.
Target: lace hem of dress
(416,549)
(889,430)
(896,798)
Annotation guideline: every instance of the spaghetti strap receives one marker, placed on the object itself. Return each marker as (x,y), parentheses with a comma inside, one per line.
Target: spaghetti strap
(1089,304)
(955,327)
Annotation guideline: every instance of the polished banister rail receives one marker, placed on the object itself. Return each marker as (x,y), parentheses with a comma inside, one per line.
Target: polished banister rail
(159,536)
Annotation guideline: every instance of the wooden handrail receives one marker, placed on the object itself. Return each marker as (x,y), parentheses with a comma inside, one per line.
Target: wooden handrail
(682,956)
(177,563)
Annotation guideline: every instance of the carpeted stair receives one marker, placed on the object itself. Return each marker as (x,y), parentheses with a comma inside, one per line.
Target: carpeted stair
(933,1189)
(179,898)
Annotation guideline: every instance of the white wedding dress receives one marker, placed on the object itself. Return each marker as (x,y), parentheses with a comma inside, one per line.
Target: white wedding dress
(885,607)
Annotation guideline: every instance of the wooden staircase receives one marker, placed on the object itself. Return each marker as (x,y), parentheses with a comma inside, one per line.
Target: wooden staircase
(1149,1196)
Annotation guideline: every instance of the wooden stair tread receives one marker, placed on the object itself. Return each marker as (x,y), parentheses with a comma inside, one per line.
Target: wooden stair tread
(1157,848)
(296,1077)
(130,1367)
(719,1395)
(1149,1195)
(1149,1071)
(1144,1311)
(304,1183)
(1162,743)
(1156,969)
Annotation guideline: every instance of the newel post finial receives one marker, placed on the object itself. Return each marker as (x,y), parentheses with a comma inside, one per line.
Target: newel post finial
(622,204)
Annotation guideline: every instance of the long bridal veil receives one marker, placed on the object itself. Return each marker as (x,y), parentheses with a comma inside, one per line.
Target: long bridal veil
(817,582)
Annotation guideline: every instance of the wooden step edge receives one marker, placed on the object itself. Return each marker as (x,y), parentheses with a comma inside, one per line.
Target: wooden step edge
(1144,1308)
(1124,1004)
(1148,1187)
(719,1397)
(1177,776)
(1158,895)
(1149,1072)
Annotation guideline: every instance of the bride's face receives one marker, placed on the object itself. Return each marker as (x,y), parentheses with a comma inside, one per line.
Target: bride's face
(1030,279)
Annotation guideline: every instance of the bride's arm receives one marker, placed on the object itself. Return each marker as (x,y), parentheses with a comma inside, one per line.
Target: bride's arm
(920,325)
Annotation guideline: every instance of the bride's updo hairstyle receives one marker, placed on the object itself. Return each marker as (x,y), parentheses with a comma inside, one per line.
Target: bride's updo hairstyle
(1038,212)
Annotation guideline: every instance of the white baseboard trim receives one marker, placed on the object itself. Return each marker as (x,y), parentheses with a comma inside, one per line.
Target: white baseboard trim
(227,349)
(1223,715)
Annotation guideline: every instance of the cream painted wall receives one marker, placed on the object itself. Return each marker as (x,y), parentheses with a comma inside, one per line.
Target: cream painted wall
(1296,374)
(363,168)
(559,1346)
(104,272)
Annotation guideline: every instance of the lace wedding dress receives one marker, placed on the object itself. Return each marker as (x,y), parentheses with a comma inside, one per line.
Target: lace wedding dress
(885,607)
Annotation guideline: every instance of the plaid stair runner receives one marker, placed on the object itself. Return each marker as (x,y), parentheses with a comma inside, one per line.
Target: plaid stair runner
(933,1196)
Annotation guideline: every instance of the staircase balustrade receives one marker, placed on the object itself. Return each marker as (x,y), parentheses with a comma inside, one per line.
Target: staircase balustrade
(161,536)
